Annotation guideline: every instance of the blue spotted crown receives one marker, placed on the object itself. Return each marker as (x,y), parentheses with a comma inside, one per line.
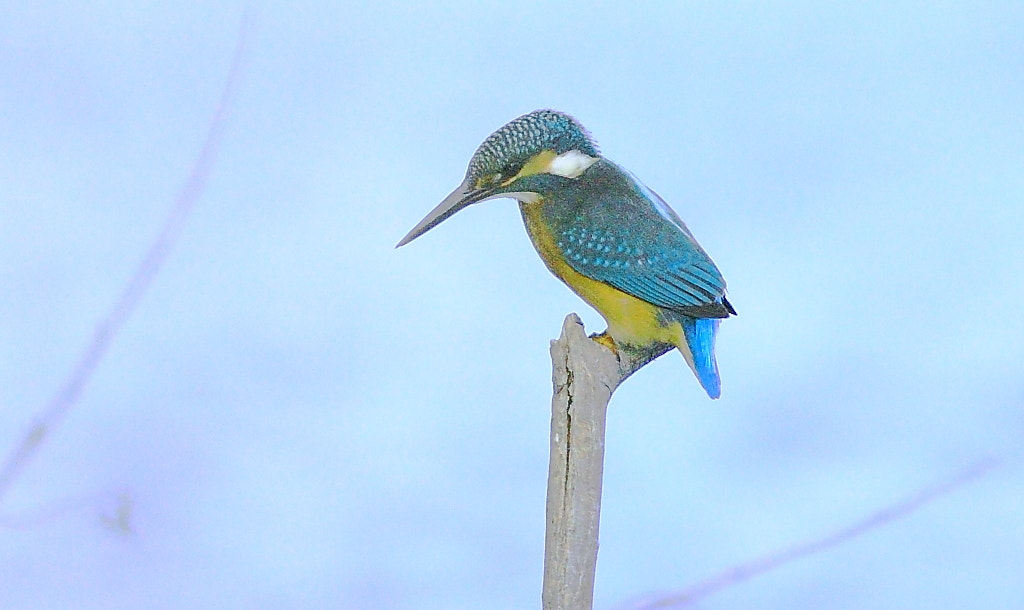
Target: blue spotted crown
(520,139)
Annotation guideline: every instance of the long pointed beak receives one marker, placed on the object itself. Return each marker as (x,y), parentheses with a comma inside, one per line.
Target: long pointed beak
(461,197)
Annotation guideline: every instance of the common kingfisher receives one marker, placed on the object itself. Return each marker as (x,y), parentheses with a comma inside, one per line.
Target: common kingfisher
(612,240)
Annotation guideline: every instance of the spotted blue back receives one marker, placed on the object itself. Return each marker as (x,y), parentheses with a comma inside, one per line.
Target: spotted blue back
(631,239)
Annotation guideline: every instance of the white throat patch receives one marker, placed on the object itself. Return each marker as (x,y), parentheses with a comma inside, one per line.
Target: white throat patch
(571,164)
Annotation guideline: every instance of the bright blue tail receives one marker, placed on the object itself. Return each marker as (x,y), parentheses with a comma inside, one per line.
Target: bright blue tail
(700,337)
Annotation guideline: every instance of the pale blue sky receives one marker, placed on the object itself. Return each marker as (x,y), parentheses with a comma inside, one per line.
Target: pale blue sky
(305,417)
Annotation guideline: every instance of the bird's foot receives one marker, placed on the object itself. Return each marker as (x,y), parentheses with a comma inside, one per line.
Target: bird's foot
(606,340)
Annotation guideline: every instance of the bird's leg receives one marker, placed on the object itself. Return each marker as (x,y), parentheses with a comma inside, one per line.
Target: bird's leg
(631,357)
(606,340)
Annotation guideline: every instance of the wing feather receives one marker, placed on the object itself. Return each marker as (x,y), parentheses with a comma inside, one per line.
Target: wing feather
(635,242)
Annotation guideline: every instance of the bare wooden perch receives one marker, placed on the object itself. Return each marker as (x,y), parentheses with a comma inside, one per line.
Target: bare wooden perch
(584,375)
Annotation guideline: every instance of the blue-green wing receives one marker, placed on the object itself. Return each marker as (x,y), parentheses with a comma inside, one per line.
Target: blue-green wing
(635,242)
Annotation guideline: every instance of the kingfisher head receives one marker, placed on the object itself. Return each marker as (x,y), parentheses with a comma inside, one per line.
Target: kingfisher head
(519,161)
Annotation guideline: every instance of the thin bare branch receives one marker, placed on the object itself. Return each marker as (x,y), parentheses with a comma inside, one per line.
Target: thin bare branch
(106,331)
(777,559)
(116,518)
